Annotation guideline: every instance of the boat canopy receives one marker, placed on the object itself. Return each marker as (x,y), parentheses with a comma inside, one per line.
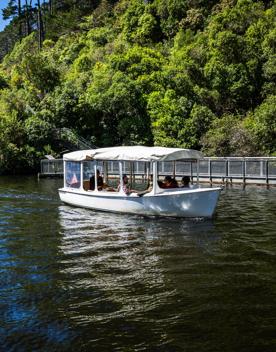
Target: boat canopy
(134,153)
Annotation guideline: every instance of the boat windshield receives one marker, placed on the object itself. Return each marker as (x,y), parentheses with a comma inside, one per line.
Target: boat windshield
(109,175)
(139,175)
(72,174)
(89,174)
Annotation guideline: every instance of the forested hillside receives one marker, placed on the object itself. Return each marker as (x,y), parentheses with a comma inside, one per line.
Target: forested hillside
(179,73)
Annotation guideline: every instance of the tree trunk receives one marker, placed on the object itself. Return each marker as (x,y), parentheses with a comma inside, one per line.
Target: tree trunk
(50,6)
(19,18)
(27,19)
(39,25)
(45,18)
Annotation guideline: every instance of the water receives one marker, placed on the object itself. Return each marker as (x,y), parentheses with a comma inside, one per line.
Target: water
(77,280)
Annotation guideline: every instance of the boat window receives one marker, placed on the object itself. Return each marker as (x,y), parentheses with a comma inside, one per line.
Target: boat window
(88,169)
(89,173)
(140,172)
(167,175)
(166,168)
(183,167)
(113,174)
(72,174)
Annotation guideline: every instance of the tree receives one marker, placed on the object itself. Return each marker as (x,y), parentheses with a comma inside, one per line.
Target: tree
(265,125)
(13,10)
(40,25)
(190,73)
(169,114)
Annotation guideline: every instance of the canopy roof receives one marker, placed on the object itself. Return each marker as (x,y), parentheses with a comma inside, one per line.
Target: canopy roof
(134,153)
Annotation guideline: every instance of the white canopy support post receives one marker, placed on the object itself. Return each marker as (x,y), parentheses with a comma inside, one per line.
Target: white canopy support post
(174,168)
(96,177)
(147,171)
(191,172)
(145,175)
(197,171)
(65,174)
(105,168)
(81,175)
(155,176)
(131,174)
(121,176)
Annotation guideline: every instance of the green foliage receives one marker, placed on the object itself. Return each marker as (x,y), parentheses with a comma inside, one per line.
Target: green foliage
(265,125)
(189,73)
(40,73)
(100,36)
(199,122)
(131,18)
(118,102)
(228,137)
(38,130)
(3,82)
(171,12)
(10,10)
(168,114)
(11,143)
(28,45)
(137,61)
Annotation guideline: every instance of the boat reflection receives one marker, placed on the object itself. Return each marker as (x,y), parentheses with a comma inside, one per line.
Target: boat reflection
(121,262)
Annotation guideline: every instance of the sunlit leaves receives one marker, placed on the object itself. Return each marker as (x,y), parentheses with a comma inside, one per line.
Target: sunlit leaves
(191,73)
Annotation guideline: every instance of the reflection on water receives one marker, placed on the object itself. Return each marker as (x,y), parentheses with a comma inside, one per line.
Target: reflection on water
(77,280)
(121,258)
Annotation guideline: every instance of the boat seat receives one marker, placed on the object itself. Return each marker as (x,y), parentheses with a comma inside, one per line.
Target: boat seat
(86,185)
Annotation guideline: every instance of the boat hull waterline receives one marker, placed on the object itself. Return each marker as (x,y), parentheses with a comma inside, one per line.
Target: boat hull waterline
(181,203)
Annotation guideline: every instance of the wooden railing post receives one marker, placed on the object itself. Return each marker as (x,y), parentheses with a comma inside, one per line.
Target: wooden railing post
(266,173)
(226,171)
(243,171)
(210,171)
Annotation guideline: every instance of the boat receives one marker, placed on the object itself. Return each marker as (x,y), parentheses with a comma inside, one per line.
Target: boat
(187,202)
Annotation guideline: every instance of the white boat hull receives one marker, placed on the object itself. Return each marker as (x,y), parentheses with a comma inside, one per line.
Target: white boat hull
(190,203)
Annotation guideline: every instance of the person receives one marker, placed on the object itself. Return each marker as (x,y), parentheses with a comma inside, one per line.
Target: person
(74,181)
(185,182)
(149,187)
(125,187)
(100,182)
(174,183)
(160,184)
(169,182)
(165,183)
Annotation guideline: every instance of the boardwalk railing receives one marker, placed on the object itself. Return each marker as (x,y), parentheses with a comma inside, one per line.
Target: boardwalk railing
(52,167)
(223,170)
(237,169)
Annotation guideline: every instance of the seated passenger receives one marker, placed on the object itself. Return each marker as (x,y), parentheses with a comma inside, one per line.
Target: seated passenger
(174,183)
(74,182)
(126,186)
(100,182)
(185,182)
(169,182)
(161,184)
(149,187)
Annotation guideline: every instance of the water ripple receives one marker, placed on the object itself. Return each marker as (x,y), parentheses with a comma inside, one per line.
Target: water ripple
(74,279)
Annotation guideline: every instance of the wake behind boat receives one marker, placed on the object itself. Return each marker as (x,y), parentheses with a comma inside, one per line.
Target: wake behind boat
(84,187)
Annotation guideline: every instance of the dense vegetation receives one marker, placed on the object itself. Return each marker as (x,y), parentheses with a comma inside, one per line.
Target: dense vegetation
(189,73)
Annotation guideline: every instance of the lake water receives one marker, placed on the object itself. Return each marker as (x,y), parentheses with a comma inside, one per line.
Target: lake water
(76,280)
